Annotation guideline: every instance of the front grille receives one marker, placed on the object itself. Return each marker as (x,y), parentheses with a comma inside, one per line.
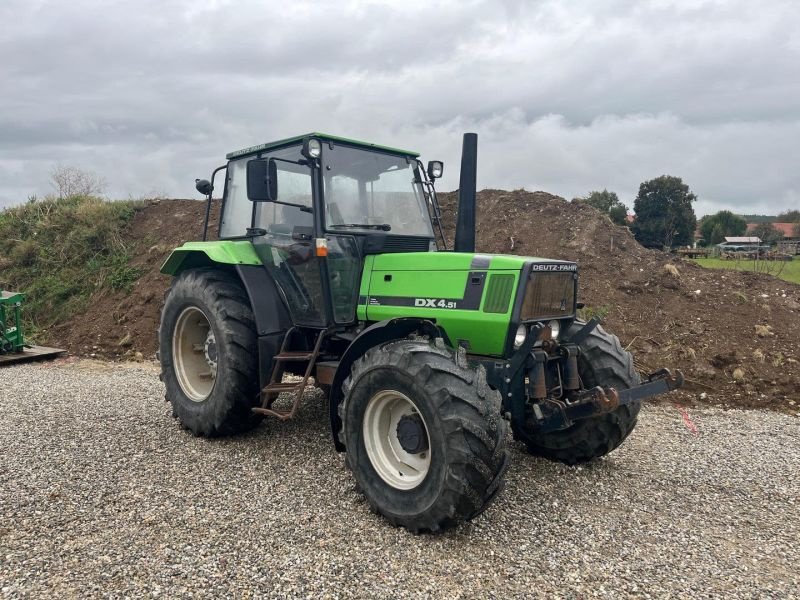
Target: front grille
(498,293)
(380,243)
(549,295)
(406,243)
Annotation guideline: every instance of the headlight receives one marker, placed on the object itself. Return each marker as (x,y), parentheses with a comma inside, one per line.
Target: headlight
(312,148)
(555,328)
(519,338)
(435,169)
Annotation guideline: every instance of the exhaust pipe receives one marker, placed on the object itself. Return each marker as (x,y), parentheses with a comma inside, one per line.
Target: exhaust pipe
(465,225)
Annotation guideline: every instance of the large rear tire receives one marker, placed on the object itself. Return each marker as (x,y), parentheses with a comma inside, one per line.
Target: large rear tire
(602,361)
(208,352)
(424,434)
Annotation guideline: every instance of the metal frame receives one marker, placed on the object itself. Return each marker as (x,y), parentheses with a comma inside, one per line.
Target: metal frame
(434,211)
(211,196)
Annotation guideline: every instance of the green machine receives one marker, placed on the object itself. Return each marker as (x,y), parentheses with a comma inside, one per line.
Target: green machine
(332,264)
(12,340)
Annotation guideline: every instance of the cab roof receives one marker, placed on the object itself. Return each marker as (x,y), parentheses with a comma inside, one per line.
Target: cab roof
(321,136)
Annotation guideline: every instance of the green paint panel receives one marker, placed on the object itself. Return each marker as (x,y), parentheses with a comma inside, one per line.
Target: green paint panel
(363,291)
(453,261)
(437,284)
(227,252)
(498,293)
(423,261)
(399,282)
(485,332)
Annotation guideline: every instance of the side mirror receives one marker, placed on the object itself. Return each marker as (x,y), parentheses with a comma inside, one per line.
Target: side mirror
(203,186)
(435,169)
(262,180)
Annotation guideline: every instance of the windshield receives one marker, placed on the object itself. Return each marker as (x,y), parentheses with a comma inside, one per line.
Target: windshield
(371,191)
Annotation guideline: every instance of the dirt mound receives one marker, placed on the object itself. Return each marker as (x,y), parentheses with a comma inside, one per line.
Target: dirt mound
(121,324)
(735,335)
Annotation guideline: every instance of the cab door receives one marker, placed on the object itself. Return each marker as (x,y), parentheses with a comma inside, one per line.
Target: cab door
(285,242)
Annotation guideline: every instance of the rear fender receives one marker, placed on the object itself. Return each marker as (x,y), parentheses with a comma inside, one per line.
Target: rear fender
(193,255)
(271,313)
(272,318)
(374,335)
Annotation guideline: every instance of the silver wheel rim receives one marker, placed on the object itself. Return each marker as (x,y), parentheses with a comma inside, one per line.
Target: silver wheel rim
(398,468)
(194,354)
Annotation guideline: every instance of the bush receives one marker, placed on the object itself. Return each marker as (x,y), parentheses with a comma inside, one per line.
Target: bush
(59,251)
(23,252)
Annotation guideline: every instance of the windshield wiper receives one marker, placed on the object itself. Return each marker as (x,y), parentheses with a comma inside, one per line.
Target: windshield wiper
(381,226)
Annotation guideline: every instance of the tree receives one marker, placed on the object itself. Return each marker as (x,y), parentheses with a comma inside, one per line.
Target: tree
(619,214)
(716,236)
(607,203)
(664,213)
(714,228)
(72,181)
(751,218)
(790,216)
(767,232)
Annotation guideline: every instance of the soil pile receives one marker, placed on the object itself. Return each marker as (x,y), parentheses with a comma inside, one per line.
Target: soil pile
(735,335)
(124,324)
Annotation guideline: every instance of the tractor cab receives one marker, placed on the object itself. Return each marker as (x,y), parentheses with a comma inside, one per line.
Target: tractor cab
(305,198)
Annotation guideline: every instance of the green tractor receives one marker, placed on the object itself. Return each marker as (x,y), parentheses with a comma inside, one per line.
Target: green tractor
(332,264)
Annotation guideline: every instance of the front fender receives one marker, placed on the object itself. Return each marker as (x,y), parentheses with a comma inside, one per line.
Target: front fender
(377,333)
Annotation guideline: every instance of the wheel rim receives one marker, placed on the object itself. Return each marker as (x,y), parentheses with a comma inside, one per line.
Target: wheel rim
(194,354)
(400,469)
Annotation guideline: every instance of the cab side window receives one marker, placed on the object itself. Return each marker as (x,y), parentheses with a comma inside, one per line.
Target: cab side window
(238,210)
(294,185)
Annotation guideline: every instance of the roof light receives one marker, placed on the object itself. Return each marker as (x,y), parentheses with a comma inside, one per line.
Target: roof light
(435,169)
(312,148)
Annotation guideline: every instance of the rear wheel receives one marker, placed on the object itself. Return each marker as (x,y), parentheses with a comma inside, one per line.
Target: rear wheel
(208,353)
(424,435)
(602,361)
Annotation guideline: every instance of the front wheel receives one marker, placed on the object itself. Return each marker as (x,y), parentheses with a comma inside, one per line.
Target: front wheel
(602,361)
(424,435)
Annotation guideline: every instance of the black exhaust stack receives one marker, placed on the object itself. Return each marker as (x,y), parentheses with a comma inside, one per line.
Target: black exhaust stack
(465,225)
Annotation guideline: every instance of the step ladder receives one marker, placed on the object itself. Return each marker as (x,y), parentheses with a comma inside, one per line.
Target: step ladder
(277,386)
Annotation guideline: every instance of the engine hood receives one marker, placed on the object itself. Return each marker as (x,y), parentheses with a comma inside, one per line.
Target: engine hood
(465,261)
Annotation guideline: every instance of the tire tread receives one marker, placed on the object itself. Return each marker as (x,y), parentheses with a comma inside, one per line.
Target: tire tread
(227,300)
(475,431)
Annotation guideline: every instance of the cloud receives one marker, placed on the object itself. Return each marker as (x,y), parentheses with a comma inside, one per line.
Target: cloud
(566,97)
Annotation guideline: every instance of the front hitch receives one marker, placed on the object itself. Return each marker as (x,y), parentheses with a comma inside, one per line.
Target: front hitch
(553,414)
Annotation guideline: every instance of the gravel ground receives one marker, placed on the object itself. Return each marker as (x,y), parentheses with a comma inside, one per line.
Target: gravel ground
(101,493)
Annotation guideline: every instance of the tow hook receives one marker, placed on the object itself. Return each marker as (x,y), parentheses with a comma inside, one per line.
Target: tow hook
(553,414)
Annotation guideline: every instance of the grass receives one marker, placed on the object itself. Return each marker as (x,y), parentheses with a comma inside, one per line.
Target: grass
(788,271)
(59,251)
(588,312)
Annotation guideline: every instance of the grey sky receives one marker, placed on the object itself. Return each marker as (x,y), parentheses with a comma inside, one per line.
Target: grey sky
(565,96)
